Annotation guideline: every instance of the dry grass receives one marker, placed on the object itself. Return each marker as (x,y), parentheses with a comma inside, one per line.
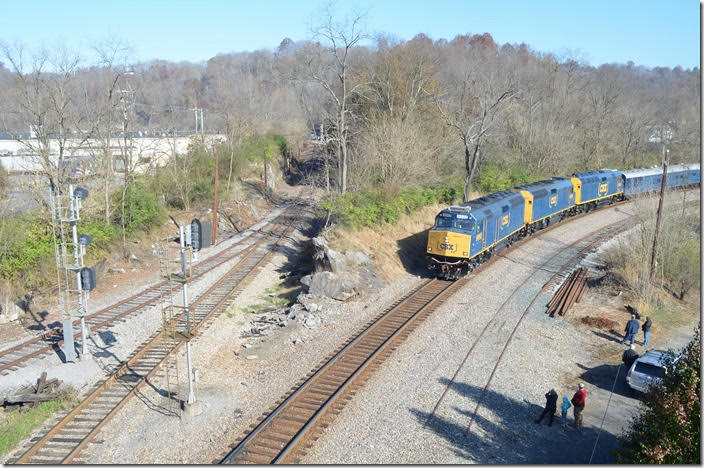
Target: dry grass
(395,249)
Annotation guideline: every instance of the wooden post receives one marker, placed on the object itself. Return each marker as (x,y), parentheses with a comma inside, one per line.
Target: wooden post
(266,179)
(666,161)
(215,197)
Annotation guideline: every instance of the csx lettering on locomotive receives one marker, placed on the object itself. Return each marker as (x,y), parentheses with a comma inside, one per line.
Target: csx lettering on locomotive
(468,234)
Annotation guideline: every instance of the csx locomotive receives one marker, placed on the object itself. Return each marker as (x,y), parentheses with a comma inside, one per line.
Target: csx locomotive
(468,234)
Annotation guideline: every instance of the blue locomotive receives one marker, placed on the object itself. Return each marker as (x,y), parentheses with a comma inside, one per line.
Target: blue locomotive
(468,234)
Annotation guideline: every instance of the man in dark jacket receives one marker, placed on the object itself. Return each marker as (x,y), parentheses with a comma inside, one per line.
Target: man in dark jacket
(632,328)
(646,331)
(629,357)
(550,406)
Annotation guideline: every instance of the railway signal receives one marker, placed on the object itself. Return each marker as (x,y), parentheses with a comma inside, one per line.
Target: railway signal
(66,211)
(200,234)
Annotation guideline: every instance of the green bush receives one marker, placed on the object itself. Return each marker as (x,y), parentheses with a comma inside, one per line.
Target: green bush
(366,209)
(142,209)
(451,191)
(32,248)
(497,177)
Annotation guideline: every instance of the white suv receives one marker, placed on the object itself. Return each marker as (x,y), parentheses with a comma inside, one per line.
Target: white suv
(649,369)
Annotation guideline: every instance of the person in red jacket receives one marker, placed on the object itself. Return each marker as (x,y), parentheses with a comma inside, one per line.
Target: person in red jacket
(578,401)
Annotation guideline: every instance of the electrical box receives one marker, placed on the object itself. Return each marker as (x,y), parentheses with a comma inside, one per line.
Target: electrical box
(88,279)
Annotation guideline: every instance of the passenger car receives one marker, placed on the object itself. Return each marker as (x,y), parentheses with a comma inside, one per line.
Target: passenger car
(649,369)
(466,235)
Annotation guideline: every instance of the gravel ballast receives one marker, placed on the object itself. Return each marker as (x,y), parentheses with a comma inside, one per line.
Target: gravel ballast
(389,420)
(384,423)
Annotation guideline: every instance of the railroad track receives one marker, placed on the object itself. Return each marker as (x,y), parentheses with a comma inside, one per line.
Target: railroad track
(16,356)
(64,442)
(287,430)
(574,252)
(592,241)
(281,436)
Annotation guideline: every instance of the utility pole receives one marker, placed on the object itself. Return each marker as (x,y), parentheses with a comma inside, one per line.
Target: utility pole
(266,178)
(653,259)
(215,196)
(199,118)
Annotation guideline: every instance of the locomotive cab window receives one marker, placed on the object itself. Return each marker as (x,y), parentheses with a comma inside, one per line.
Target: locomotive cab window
(443,222)
(464,224)
(504,209)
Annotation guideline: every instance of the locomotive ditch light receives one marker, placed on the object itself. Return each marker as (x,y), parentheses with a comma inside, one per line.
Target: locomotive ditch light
(80,192)
(85,239)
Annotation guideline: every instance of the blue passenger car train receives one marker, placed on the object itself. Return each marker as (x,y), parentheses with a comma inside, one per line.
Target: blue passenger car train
(468,234)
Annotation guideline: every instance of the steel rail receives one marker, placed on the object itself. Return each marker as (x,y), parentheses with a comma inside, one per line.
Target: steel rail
(161,347)
(600,239)
(495,315)
(617,230)
(336,375)
(150,296)
(266,443)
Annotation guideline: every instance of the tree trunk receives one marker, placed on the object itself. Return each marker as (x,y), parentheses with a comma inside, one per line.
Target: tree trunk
(471,168)
(343,169)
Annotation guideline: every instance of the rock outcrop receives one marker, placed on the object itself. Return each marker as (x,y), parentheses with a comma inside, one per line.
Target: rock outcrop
(339,276)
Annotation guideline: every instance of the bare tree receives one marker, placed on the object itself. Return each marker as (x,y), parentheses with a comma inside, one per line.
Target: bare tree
(478,88)
(329,65)
(47,103)
(113,58)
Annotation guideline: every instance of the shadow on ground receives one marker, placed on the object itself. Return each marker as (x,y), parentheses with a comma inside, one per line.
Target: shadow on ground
(411,252)
(607,336)
(511,437)
(603,377)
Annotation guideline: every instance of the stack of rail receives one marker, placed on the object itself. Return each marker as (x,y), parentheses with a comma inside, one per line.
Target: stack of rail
(571,291)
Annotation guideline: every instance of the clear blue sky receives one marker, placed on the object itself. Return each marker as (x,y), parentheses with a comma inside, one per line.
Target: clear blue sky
(649,32)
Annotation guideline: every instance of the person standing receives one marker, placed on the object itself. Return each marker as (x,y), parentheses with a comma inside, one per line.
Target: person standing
(646,331)
(565,406)
(632,328)
(578,400)
(629,356)
(550,406)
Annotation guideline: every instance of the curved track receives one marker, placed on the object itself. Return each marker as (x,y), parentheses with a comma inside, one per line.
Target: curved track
(281,435)
(15,356)
(64,442)
(284,434)
(563,266)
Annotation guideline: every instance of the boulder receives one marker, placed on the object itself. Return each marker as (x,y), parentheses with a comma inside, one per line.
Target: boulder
(309,320)
(357,258)
(11,313)
(326,283)
(294,311)
(309,302)
(327,259)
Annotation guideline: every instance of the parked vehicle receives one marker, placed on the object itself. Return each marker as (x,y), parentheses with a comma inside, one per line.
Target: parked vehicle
(649,369)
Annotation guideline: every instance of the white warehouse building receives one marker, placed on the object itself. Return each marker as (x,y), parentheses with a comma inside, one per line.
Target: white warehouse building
(20,156)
